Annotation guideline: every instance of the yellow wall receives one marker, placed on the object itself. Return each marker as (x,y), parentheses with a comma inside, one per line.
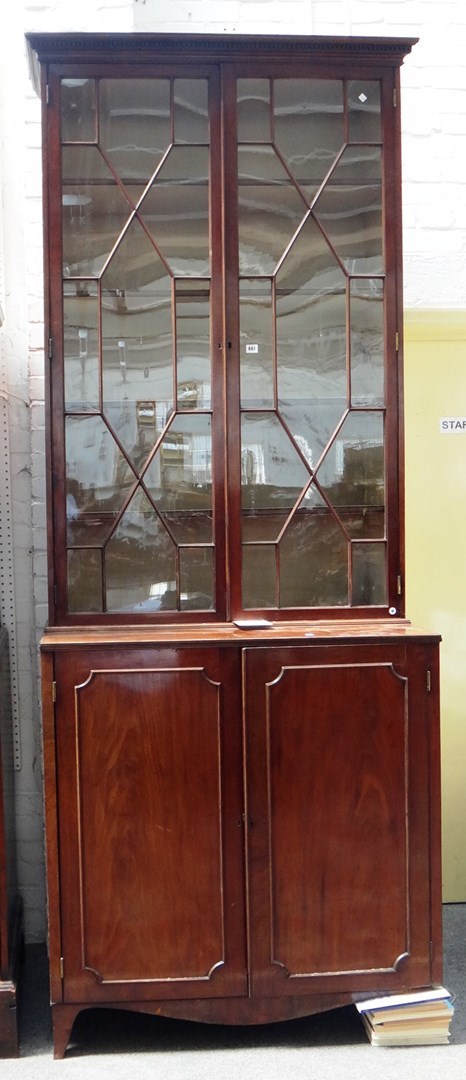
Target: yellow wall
(435,387)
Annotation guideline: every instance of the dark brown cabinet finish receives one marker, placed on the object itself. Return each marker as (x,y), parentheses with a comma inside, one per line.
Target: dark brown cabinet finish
(246,830)
(240,727)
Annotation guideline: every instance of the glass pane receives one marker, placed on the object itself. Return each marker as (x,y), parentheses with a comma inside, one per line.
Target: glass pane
(78,110)
(193,344)
(367,341)
(270,210)
(351,216)
(263,525)
(94,211)
(272,473)
(352,472)
(364,111)
(369,574)
(256,343)
(180,475)
(360,164)
(365,523)
(81,346)
(254,110)
(137,344)
(189,526)
(98,480)
(259,576)
(312,374)
(309,127)
(196,579)
(310,266)
(84,581)
(191,111)
(313,560)
(135,128)
(176,211)
(140,562)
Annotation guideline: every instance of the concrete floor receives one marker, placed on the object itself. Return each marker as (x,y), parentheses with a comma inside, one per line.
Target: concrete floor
(332,1045)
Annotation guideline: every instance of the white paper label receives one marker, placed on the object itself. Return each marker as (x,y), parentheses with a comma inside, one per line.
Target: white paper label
(453,425)
(252,348)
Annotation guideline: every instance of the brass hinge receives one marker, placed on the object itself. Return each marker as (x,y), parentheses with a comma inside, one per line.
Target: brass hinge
(54,692)
(47,94)
(399,585)
(395,99)
(62,968)
(397,341)
(50,349)
(429,681)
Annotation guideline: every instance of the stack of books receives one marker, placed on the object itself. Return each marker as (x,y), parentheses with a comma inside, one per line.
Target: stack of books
(414,1019)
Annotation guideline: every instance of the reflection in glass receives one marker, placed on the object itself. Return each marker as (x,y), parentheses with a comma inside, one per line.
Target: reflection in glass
(352,472)
(193,344)
(78,110)
(309,129)
(313,560)
(369,574)
(364,523)
(270,210)
(367,341)
(256,343)
(191,111)
(134,125)
(189,526)
(351,216)
(311,346)
(180,475)
(262,526)
(84,581)
(176,211)
(137,344)
(253,97)
(140,562)
(310,265)
(98,480)
(272,472)
(94,211)
(359,164)
(196,579)
(81,346)
(364,111)
(259,576)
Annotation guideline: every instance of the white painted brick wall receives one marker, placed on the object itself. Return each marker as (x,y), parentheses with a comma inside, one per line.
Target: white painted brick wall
(434,151)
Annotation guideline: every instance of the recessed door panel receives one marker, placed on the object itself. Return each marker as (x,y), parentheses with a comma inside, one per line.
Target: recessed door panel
(150,844)
(330,863)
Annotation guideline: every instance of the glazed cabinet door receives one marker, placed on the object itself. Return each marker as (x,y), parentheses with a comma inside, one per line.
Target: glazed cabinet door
(150,803)
(339,822)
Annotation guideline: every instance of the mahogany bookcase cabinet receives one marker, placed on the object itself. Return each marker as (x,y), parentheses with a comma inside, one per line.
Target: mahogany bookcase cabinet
(240,725)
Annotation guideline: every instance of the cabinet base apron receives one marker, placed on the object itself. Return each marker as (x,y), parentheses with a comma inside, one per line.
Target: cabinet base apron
(220,1011)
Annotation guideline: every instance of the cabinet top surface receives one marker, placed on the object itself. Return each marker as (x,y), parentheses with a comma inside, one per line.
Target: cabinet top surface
(243,633)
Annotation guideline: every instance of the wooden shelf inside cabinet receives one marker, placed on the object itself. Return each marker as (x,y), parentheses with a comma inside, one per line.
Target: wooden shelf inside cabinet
(227,640)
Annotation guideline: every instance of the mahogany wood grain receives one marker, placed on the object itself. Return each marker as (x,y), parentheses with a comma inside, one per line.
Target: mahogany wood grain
(150,833)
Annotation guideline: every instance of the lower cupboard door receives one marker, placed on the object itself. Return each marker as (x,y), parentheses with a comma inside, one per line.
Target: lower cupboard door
(150,815)
(338,820)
